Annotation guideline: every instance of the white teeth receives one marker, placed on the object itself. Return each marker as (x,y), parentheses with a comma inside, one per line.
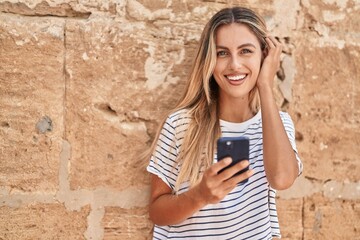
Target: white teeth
(236,78)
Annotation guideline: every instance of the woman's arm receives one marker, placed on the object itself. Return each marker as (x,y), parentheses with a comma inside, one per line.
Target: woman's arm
(279,157)
(167,208)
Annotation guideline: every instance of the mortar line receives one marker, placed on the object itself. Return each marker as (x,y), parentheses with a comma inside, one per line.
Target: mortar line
(65,82)
(94,229)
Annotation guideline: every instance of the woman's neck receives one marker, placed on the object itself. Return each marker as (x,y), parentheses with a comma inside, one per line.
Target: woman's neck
(235,111)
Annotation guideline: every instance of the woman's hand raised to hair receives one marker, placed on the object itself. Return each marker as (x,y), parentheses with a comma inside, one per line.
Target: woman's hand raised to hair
(214,186)
(271,63)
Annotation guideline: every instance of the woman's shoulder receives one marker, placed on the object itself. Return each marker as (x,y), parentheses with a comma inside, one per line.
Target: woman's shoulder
(179,117)
(179,113)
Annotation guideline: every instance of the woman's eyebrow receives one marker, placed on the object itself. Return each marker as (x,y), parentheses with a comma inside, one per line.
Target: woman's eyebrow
(241,46)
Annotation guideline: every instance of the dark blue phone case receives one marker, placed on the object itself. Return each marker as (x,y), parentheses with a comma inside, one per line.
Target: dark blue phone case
(235,147)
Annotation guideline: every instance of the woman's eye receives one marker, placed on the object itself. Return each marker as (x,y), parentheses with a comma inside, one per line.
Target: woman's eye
(245,51)
(221,53)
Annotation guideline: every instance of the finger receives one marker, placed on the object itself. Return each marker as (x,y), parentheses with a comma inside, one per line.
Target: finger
(277,43)
(269,42)
(230,172)
(232,182)
(221,164)
(274,40)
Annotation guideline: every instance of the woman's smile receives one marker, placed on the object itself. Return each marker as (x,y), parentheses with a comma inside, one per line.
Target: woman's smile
(236,79)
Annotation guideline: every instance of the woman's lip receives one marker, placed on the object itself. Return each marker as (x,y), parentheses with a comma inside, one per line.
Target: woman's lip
(236,77)
(236,82)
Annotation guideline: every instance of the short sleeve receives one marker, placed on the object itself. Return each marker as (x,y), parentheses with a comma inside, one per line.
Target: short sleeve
(163,160)
(290,130)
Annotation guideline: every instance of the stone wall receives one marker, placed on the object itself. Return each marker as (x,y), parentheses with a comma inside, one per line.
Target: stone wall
(85,83)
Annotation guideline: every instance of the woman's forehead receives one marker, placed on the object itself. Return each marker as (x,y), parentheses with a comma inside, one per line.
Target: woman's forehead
(235,33)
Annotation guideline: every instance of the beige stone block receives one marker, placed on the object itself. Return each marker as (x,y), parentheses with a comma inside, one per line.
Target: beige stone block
(31,101)
(290,218)
(121,81)
(122,223)
(104,129)
(326,100)
(331,219)
(42,221)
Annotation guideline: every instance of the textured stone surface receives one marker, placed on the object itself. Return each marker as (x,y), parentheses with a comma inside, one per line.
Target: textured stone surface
(95,122)
(327,93)
(84,86)
(290,218)
(324,219)
(126,224)
(31,89)
(109,104)
(43,221)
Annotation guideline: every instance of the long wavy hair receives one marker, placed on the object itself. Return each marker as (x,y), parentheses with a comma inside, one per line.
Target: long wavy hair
(201,96)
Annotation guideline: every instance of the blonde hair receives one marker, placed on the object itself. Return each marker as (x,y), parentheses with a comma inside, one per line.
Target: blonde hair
(201,96)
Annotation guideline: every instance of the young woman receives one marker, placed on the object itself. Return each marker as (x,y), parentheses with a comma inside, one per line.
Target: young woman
(229,93)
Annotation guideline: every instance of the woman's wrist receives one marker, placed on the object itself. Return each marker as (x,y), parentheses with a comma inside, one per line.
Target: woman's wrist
(265,88)
(195,195)
(264,85)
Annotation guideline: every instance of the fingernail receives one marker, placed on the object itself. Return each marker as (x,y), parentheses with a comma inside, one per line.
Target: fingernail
(228,160)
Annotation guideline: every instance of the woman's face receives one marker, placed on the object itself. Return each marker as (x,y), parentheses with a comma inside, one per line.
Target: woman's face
(238,61)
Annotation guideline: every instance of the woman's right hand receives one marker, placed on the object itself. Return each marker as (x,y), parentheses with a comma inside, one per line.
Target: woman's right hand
(167,208)
(214,186)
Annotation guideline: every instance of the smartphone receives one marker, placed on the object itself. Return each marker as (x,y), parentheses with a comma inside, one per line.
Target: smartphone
(235,147)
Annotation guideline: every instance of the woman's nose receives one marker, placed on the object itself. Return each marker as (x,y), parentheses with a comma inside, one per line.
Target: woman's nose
(235,63)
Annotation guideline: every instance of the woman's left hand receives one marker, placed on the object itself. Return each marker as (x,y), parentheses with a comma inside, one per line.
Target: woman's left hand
(271,63)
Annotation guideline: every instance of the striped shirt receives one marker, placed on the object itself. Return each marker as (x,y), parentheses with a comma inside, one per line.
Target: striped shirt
(248,211)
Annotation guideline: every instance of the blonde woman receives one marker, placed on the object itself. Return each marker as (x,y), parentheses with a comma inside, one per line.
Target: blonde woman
(228,94)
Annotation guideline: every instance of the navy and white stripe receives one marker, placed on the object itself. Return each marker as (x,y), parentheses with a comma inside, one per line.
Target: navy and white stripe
(247,212)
